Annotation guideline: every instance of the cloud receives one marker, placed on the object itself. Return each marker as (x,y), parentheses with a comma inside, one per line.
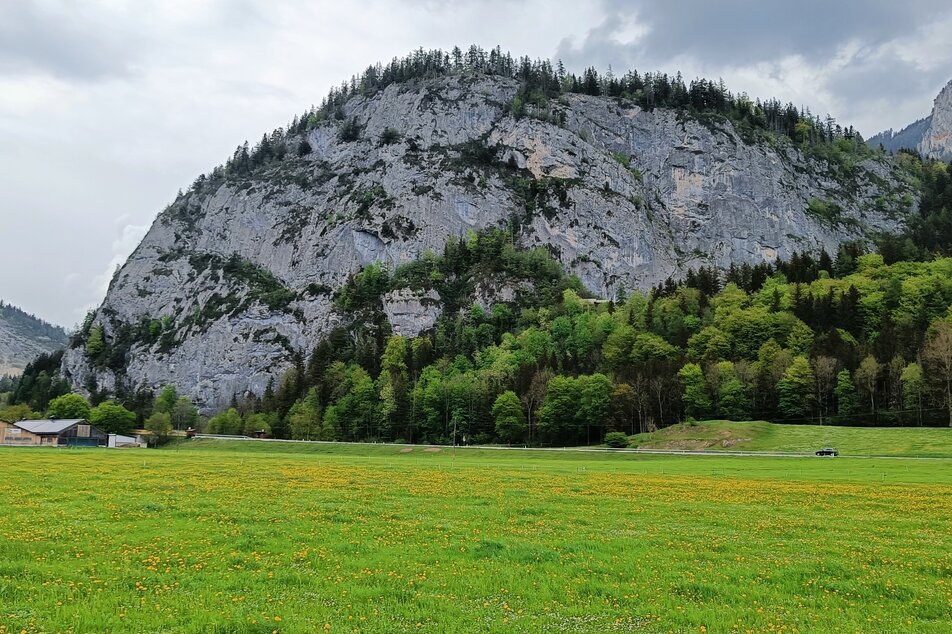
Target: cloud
(849,58)
(734,32)
(125,243)
(64,40)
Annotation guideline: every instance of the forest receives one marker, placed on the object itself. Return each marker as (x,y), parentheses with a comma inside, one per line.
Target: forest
(845,339)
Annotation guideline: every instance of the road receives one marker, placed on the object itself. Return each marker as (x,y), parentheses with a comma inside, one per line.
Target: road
(660,452)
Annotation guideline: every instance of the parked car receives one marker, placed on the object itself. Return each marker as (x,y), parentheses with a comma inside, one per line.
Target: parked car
(828,451)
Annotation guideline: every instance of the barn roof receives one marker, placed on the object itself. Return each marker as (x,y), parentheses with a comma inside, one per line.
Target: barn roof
(49,425)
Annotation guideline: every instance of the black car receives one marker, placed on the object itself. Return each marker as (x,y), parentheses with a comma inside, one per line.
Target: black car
(828,451)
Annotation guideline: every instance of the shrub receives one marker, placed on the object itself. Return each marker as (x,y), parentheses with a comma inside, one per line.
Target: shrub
(616,440)
(390,136)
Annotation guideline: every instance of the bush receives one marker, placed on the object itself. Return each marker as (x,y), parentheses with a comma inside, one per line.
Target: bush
(350,131)
(68,406)
(616,440)
(390,136)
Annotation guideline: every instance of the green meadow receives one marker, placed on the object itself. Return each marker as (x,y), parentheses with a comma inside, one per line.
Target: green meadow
(213,536)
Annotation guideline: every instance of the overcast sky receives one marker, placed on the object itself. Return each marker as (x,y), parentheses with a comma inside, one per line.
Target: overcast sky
(108,107)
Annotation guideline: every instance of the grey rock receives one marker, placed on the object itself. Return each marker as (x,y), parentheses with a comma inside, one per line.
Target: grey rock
(410,312)
(937,138)
(23,337)
(694,194)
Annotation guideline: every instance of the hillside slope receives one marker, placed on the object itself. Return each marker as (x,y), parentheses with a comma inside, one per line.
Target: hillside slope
(237,275)
(762,436)
(23,337)
(908,138)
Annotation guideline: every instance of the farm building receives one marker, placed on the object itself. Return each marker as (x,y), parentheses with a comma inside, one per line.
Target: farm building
(11,434)
(72,432)
(120,441)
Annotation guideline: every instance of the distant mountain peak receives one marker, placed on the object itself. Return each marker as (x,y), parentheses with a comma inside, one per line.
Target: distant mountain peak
(24,336)
(931,136)
(937,140)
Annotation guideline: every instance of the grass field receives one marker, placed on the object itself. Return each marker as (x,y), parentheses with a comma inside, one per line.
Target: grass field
(762,436)
(259,537)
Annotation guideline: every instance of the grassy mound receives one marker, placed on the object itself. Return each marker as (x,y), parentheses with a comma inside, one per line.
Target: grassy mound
(763,436)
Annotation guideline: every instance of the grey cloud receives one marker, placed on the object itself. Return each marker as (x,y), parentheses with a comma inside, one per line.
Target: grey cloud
(741,32)
(65,44)
(718,38)
(889,78)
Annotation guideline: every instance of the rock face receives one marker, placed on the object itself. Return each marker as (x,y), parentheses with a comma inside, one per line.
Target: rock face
(239,274)
(937,138)
(931,136)
(23,337)
(411,313)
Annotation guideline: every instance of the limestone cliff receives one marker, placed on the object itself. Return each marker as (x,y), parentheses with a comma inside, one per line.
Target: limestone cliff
(937,138)
(239,273)
(931,136)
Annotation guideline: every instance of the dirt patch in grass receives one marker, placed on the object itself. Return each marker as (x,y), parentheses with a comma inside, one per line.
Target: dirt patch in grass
(733,441)
(432,450)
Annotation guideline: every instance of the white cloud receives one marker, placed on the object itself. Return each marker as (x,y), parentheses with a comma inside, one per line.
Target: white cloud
(129,238)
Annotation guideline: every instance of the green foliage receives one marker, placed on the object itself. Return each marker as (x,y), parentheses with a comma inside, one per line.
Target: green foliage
(509,418)
(14,413)
(390,136)
(227,422)
(913,389)
(159,426)
(616,440)
(166,400)
(845,391)
(350,131)
(697,400)
(112,418)
(795,389)
(94,344)
(305,417)
(184,414)
(68,406)
(825,211)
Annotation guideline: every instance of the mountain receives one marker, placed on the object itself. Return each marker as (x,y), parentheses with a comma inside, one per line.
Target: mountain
(238,275)
(908,138)
(931,136)
(937,139)
(23,337)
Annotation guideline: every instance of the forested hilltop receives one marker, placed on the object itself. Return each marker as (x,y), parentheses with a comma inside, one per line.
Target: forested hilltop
(470,244)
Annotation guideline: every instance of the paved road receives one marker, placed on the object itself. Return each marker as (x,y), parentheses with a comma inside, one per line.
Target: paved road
(661,452)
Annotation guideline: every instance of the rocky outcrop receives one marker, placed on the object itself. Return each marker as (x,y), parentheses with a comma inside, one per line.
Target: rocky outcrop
(937,138)
(240,273)
(410,312)
(930,136)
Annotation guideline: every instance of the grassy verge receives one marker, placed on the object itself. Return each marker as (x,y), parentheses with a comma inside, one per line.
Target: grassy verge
(762,436)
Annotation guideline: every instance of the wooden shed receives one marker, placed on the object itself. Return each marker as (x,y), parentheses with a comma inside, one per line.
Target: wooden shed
(12,434)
